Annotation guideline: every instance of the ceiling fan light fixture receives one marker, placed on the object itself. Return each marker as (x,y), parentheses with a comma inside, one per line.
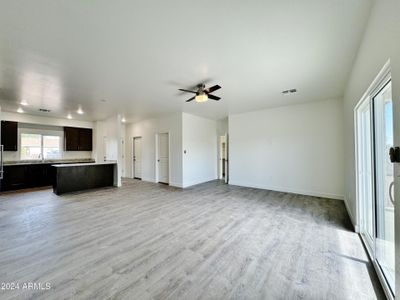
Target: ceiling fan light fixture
(201,98)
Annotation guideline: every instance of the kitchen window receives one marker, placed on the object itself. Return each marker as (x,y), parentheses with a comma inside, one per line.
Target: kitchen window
(40,146)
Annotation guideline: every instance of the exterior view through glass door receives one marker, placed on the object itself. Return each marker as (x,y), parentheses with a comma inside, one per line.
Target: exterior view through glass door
(375,179)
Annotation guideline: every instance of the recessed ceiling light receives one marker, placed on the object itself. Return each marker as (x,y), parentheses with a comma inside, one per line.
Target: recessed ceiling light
(80,111)
(123,120)
(24,103)
(69,116)
(20,110)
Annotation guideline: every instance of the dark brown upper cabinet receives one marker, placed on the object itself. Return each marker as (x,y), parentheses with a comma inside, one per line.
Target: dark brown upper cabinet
(9,135)
(85,139)
(78,139)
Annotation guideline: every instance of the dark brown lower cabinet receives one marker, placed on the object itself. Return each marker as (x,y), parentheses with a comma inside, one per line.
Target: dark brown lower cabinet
(27,176)
(14,178)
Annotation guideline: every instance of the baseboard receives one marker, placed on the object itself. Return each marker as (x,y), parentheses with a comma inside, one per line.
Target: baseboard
(148,179)
(288,190)
(175,184)
(352,219)
(197,182)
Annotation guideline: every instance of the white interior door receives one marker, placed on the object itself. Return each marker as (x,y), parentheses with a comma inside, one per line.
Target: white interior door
(137,157)
(163,158)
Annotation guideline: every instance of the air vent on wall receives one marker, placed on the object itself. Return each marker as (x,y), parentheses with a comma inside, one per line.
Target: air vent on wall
(44,110)
(288,92)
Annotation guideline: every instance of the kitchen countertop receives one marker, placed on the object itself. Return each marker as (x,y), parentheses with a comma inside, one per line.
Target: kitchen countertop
(50,161)
(86,164)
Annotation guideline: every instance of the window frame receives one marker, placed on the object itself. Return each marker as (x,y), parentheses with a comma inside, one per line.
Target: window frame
(42,133)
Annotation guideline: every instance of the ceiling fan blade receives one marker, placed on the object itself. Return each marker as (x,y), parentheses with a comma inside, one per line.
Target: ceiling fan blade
(187,91)
(212,97)
(191,99)
(212,89)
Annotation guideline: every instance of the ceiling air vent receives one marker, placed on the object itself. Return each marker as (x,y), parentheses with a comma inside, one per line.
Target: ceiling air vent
(44,110)
(288,92)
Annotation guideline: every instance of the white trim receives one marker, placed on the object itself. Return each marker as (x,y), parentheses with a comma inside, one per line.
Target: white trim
(382,279)
(288,190)
(355,225)
(146,179)
(377,84)
(378,270)
(175,184)
(196,182)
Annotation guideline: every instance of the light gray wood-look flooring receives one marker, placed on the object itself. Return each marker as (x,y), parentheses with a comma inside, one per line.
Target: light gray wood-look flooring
(211,241)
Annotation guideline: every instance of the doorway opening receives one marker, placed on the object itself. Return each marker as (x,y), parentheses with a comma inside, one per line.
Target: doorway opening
(137,158)
(162,158)
(105,149)
(223,158)
(122,157)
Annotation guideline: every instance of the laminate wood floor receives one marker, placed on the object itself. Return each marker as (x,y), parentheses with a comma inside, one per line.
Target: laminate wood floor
(211,241)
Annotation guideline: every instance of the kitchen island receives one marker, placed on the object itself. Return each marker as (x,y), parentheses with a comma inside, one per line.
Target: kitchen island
(25,174)
(78,177)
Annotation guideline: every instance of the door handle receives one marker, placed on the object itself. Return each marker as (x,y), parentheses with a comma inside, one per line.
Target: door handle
(394,154)
(391,186)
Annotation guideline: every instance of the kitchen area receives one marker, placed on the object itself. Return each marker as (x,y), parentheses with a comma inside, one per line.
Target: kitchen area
(36,155)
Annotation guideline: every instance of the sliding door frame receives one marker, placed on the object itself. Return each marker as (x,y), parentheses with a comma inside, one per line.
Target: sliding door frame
(383,78)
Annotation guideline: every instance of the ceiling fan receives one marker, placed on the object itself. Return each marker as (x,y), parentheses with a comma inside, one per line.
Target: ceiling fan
(203,93)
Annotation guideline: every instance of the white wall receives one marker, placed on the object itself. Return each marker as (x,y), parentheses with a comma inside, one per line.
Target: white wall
(296,148)
(380,43)
(107,140)
(47,123)
(200,145)
(147,130)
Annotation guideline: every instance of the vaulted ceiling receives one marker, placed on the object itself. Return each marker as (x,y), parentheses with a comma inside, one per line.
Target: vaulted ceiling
(130,57)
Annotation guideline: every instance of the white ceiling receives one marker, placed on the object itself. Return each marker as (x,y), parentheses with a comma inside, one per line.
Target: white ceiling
(61,55)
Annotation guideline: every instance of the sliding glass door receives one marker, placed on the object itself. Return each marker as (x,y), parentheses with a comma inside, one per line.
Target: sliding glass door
(375,178)
(384,182)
